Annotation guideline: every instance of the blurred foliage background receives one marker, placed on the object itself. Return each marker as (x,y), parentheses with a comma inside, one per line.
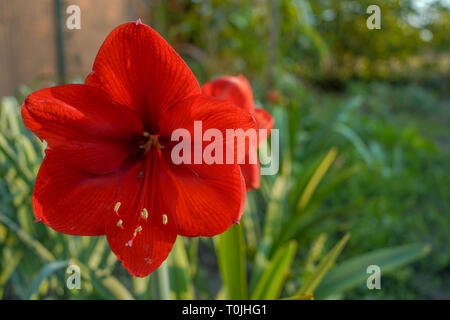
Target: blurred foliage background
(363,118)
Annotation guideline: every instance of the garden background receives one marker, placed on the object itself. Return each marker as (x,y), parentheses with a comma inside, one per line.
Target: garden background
(364,154)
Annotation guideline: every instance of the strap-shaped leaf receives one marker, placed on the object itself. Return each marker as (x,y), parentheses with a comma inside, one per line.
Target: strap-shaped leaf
(323,267)
(316,178)
(109,287)
(352,272)
(271,282)
(181,287)
(46,271)
(27,239)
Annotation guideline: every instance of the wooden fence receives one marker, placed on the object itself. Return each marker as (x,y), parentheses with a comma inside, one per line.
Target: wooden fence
(28,38)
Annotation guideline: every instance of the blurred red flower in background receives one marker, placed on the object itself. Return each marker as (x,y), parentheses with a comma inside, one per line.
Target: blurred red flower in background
(238,90)
(107,169)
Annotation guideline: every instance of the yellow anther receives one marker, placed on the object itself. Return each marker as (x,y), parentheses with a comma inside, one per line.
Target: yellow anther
(116,207)
(146,134)
(144,214)
(138,229)
(165,219)
(119,223)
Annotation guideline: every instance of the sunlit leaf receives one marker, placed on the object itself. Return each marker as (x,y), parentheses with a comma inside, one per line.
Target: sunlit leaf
(230,250)
(272,280)
(324,266)
(181,287)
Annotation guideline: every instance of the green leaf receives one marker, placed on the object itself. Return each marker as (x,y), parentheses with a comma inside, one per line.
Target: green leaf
(181,287)
(141,287)
(97,253)
(40,250)
(315,252)
(323,267)
(230,250)
(316,178)
(117,288)
(162,275)
(358,143)
(43,274)
(9,108)
(353,272)
(10,155)
(272,280)
(11,261)
(275,207)
(106,285)
(304,207)
(305,19)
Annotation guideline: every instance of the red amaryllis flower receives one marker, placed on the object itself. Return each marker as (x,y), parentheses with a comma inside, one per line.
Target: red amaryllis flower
(108,168)
(237,89)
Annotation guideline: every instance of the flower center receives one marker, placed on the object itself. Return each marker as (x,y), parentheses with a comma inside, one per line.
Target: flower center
(152,140)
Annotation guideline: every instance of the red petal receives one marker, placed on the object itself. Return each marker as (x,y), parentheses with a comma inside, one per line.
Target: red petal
(251,172)
(208,206)
(252,175)
(214,114)
(235,89)
(211,197)
(143,241)
(71,201)
(139,69)
(85,129)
